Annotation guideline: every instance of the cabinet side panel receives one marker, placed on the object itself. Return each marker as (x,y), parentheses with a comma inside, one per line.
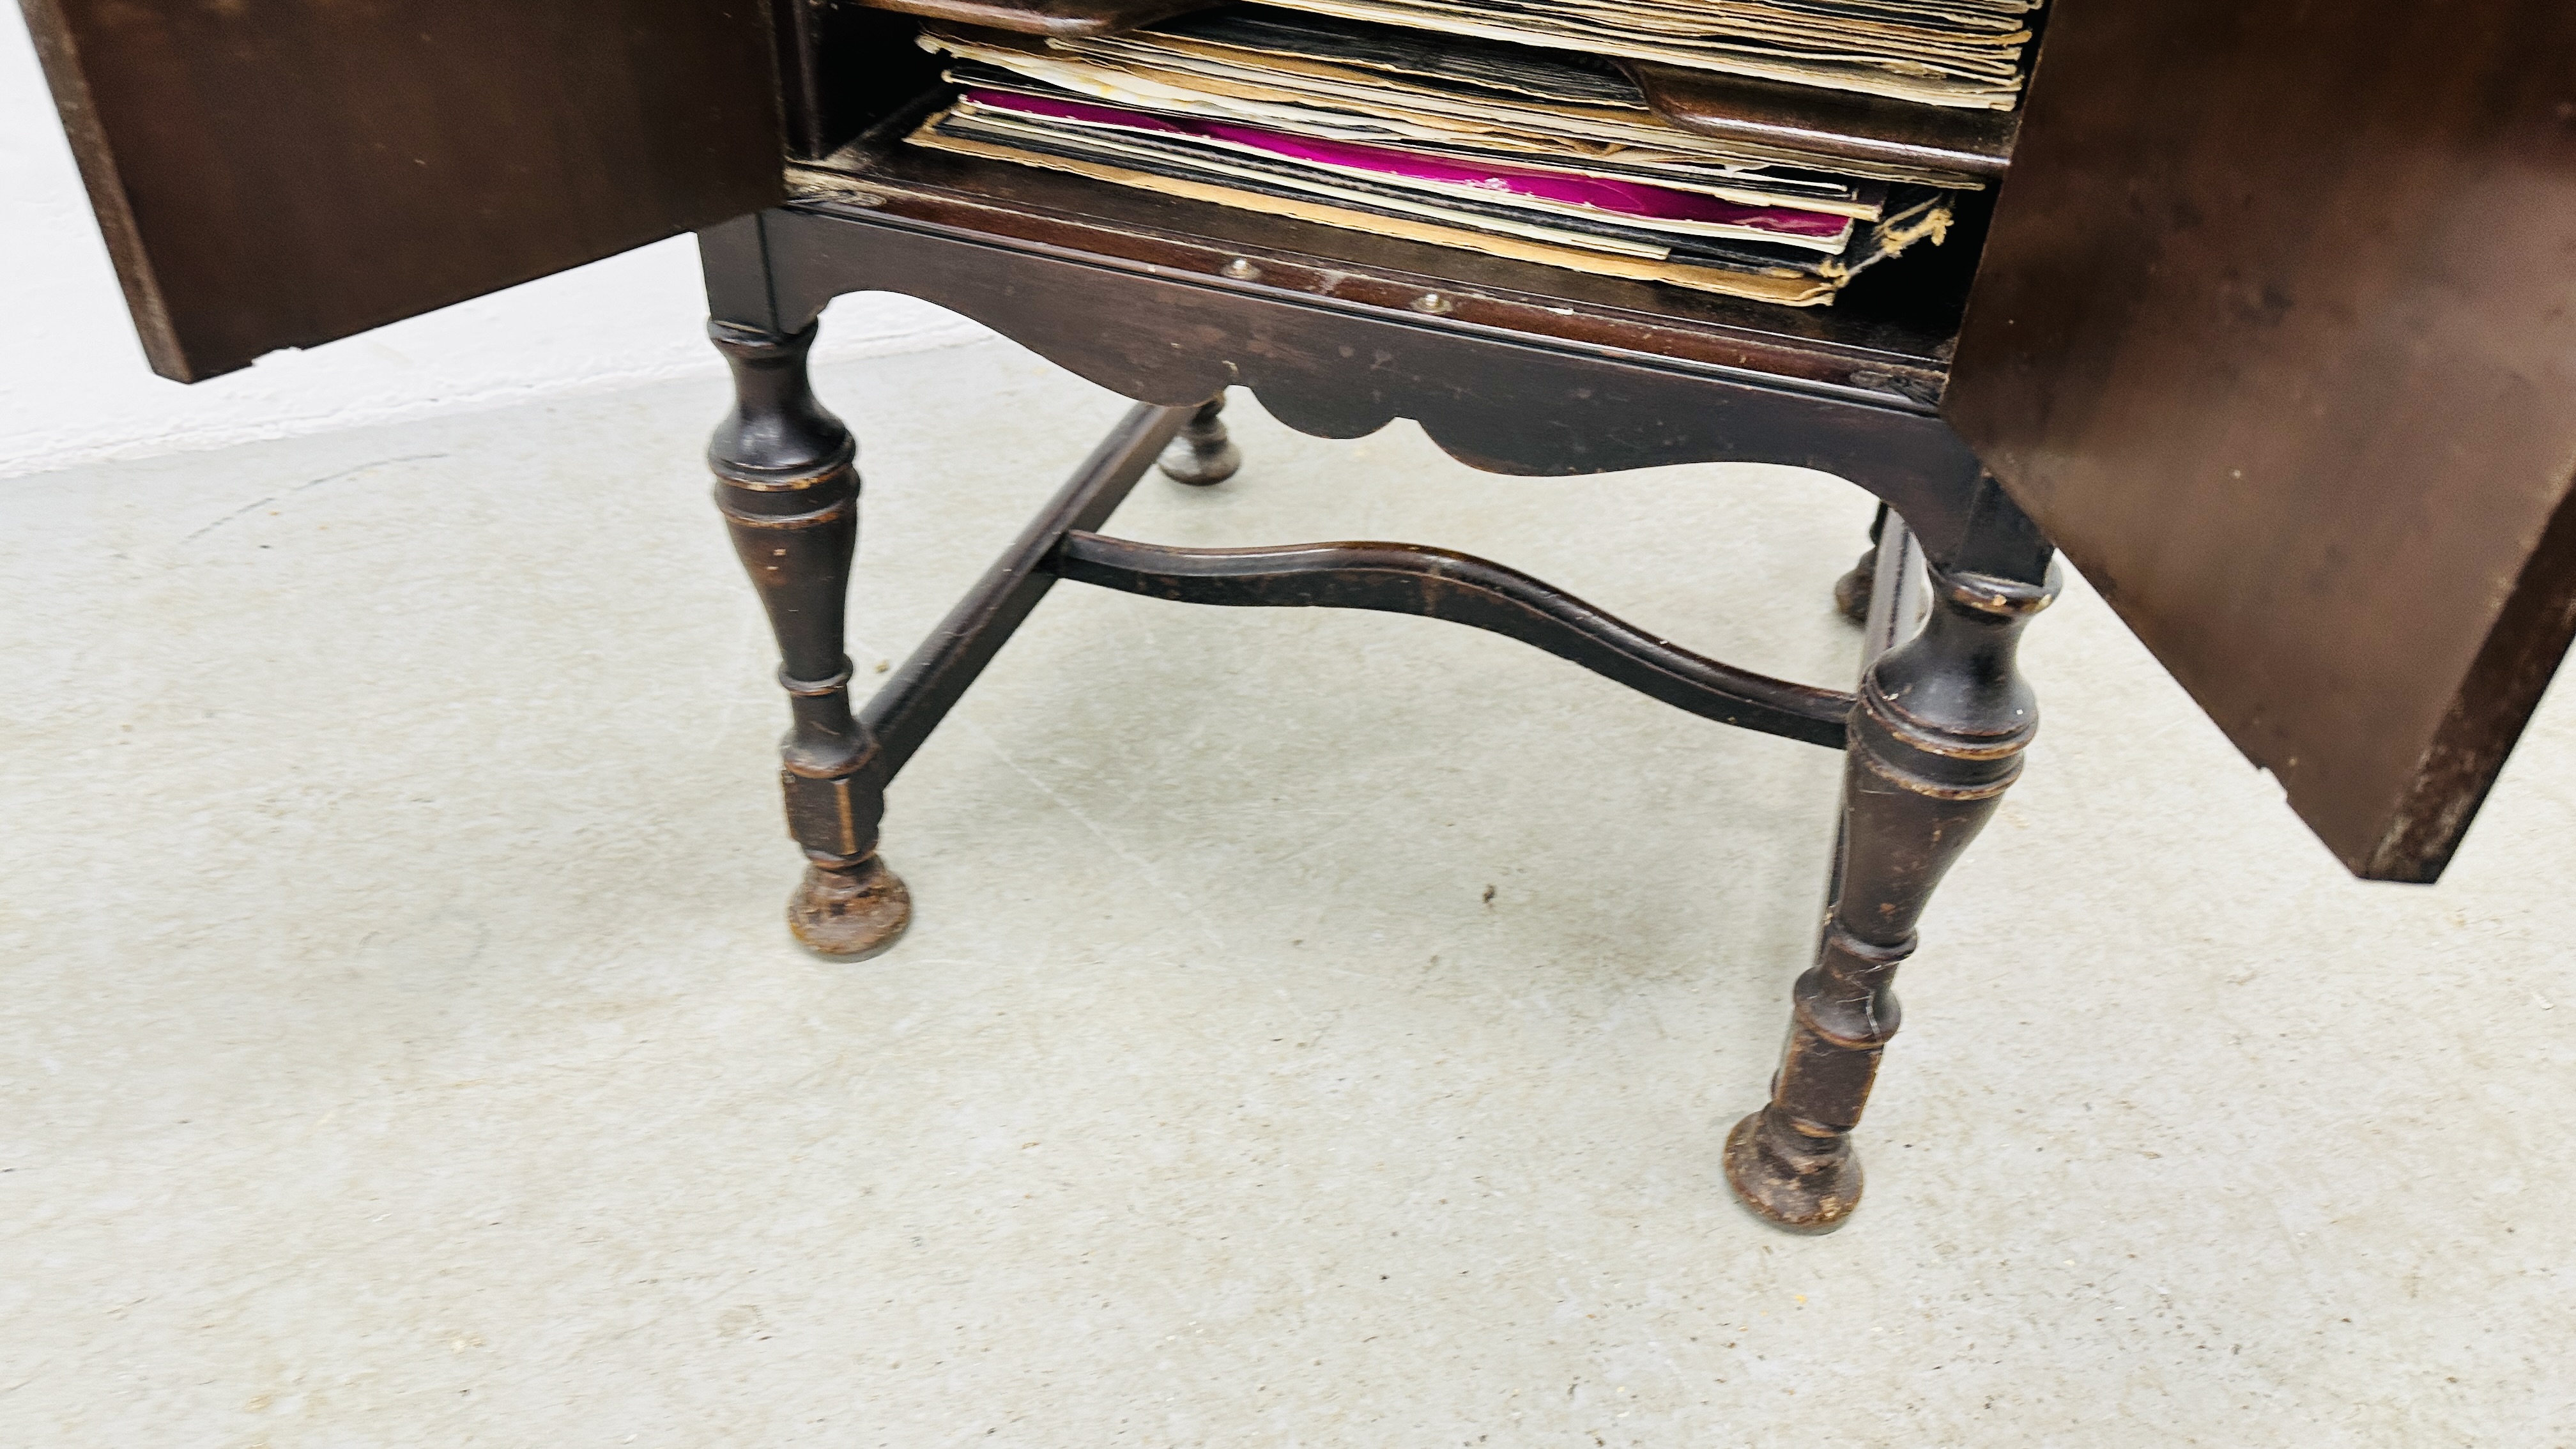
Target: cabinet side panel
(70,87)
(281,174)
(2275,334)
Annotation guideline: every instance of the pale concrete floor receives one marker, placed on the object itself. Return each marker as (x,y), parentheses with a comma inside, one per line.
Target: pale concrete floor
(403,1046)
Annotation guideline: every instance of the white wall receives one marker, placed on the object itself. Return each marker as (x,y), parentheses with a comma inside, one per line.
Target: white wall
(74,387)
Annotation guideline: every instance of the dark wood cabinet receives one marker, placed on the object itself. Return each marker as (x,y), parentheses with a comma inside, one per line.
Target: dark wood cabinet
(282,175)
(2270,325)
(2273,333)
(2276,336)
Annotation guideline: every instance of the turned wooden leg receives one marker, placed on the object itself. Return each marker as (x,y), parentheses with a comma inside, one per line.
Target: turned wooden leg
(1852,590)
(1936,736)
(788,489)
(1202,454)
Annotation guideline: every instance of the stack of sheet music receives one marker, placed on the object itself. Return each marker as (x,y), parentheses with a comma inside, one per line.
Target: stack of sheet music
(1938,52)
(1547,155)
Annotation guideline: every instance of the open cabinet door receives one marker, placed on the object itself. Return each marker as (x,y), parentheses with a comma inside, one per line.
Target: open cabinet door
(2276,337)
(279,173)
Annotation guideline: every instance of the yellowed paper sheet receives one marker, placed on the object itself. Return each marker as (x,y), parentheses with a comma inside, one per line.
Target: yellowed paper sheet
(1314,98)
(1987,85)
(1791,291)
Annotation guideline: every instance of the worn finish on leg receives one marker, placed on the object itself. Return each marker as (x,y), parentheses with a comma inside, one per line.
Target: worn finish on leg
(852,911)
(1936,737)
(789,492)
(1202,455)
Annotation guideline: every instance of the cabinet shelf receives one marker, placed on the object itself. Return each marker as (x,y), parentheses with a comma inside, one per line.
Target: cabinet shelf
(1888,336)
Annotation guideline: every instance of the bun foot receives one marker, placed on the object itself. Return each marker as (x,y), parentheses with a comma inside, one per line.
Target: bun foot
(1789,1179)
(850,914)
(1852,590)
(1202,455)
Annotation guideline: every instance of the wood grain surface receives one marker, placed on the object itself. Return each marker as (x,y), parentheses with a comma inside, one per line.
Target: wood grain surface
(2276,337)
(282,173)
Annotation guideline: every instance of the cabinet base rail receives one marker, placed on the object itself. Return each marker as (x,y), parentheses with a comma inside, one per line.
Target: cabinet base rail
(1392,578)
(1930,740)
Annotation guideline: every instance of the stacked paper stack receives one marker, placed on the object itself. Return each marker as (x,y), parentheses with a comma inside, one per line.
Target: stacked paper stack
(1544,154)
(1938,52)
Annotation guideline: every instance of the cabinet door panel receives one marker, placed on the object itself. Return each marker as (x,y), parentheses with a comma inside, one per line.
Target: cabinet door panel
(2276,336)
(279,173)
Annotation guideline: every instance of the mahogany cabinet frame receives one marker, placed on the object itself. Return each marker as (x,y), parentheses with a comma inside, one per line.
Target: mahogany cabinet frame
(2268,325)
